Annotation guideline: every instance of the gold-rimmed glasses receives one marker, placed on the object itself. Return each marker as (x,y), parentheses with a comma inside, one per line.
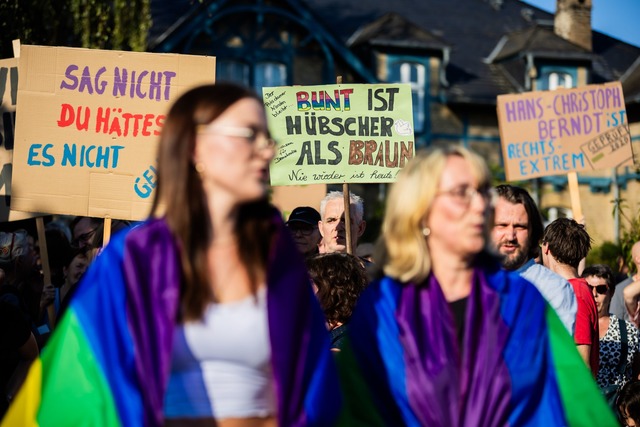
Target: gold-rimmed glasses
(464,194)
(259,140)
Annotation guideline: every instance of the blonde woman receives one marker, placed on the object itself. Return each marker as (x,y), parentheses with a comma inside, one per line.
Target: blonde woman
(446,337)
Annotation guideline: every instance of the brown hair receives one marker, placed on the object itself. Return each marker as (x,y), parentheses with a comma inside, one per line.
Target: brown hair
(181,200)
(340,279)
(568,241)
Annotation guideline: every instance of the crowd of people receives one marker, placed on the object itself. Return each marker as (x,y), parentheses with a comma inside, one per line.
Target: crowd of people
(466,311)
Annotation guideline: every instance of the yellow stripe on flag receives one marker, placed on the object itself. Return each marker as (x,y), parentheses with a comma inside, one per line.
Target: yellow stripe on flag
(25,405)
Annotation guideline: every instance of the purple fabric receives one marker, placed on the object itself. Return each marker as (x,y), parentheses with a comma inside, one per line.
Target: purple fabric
(298,336)
(289,303)
(475,388)
(152,277)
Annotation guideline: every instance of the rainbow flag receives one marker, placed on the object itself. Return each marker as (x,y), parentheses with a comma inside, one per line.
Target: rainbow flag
(401,364)
(108,360)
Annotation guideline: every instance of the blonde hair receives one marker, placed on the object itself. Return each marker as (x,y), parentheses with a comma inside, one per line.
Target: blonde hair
(402,249)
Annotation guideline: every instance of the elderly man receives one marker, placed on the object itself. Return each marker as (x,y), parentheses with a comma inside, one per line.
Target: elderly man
(516,234)
(303,223)
(332,224)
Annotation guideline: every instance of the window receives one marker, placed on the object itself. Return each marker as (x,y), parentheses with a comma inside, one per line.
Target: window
(269,74)
(563,80)
(232,71)
(555,76)
(415,74)
(265,74)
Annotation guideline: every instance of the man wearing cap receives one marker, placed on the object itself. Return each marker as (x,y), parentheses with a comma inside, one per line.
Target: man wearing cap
(303,223)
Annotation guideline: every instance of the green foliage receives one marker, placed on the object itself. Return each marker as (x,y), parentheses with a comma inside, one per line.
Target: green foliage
(629,229)
(43,22)
(117,24)
(101,24)
(607,253)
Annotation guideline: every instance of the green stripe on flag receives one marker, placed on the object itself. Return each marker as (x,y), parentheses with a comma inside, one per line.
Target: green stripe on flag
(583,404)
(74,388)
(358,407)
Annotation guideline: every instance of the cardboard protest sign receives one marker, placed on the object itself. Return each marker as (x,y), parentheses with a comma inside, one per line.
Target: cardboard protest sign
(565,130)
(8,100)
(344,133)
(87,127)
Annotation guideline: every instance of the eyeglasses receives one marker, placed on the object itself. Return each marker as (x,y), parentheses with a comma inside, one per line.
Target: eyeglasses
(258,139)
(84,238)
(464,194)
(305,229)
(600,289)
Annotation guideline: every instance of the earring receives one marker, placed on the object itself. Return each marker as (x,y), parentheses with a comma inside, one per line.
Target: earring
(426,231)
(199,166)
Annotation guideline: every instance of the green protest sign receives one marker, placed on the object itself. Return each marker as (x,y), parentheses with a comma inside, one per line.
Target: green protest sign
(344,133)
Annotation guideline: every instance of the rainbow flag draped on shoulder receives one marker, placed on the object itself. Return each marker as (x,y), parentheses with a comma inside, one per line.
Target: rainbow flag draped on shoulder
(401,364)
(108,361)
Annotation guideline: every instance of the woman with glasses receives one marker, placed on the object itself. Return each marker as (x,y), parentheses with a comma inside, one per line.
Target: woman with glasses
(446,337)
(203,315)
(619,339)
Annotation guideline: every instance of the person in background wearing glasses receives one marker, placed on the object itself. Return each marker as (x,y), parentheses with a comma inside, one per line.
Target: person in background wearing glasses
(516,235)
(83,230)
(564,244)
(216,313)
(303,224)
(612,370)
(447,337)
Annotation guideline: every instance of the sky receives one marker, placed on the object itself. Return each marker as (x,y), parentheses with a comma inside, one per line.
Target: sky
(615,18)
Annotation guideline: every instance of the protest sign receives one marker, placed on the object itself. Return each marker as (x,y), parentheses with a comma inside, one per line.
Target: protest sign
(8,100)
(565,130)
(87,127)
(343,133)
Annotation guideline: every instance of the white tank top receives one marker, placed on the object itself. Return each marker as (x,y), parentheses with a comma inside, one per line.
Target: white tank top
(221,365)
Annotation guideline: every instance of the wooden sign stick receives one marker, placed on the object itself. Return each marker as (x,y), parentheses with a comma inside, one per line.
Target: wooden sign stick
(347,216)
(46,270)
(347,203)
(106,234)
(574,192)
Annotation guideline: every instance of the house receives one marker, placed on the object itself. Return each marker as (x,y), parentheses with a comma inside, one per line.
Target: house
(458,56)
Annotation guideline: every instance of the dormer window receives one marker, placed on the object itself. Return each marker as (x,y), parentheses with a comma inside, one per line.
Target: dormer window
(414,73)
(560,80)
(552,77)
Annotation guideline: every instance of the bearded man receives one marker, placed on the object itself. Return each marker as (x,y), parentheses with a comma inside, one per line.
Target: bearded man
(516,235)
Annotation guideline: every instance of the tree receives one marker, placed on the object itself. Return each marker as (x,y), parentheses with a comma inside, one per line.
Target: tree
(630,229)
(99,24)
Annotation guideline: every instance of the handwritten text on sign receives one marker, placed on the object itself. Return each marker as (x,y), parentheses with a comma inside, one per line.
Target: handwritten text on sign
(339,133)
(566,130)
(91,126)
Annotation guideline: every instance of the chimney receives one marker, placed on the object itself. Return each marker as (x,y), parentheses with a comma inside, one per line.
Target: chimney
(573,21)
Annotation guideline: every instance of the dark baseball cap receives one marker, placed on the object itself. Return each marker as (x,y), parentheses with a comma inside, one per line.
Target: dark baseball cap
(305,214)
